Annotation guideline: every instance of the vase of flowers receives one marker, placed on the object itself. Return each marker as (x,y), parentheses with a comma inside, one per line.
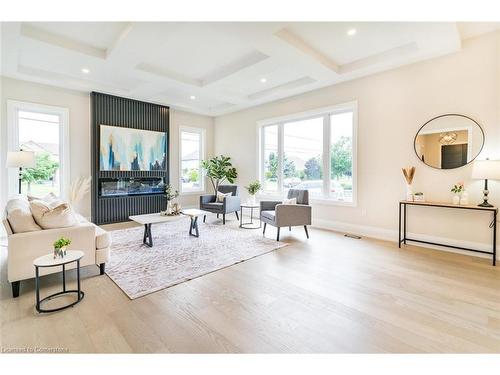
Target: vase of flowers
(60,247)
(409,174)
(457,190)
(170,194)
(253,189)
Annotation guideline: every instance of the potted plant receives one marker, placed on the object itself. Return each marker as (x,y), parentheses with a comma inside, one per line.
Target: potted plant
(457,189)
(253,189)
(170,194)
(218,170)
(60,247)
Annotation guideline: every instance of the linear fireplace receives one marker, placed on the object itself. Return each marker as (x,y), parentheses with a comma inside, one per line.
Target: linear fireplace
(113,187)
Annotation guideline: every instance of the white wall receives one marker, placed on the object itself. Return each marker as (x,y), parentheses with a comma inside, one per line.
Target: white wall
(392,106)
(78,104)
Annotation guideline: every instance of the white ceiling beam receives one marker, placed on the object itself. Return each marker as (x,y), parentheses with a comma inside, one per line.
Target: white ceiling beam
(304,48)
(245,62)
(380,58)
(44,36)
(119,39)
(165,73)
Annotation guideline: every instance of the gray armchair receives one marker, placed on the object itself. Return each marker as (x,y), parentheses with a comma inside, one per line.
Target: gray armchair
(230,204)
(287,215)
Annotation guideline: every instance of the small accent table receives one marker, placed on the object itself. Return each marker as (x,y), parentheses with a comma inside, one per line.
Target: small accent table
(49,261)
(493,225)
(250,224)
(194,213)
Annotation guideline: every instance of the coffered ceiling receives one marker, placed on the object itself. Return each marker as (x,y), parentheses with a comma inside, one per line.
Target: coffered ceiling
(218,68)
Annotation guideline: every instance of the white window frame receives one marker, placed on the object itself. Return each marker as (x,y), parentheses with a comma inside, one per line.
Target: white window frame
(202,132)
(324,112)
(13,109)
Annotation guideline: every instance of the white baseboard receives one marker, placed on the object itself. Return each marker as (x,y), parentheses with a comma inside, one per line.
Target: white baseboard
(392,236)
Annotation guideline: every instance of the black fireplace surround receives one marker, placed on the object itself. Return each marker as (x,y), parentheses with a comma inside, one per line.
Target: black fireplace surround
(118,194)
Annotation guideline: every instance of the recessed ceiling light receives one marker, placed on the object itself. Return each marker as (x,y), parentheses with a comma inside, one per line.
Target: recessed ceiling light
(192,97)
(85,70)
(351,32)
(263,80)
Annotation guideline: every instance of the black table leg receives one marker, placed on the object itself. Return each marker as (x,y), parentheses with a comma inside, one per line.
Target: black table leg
(404,224)
(241,216)
(78,278)
(194,225)
(64,277)
(37,289)
(148,238)
(399,223)
(495,238)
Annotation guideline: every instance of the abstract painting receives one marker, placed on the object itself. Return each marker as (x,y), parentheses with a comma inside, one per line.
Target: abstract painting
(127,149)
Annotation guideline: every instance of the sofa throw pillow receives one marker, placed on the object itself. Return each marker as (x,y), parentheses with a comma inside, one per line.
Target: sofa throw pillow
(290,201)
(221,196)
(52,215)
(19,216)
(49,198)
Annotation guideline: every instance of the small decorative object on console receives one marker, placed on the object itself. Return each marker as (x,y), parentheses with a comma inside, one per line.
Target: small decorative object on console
(60,247)
(419,197)
(464,198)
(170,194)
(409,173)
(457,189)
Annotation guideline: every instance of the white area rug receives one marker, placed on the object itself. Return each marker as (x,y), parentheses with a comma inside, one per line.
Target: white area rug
(177,257)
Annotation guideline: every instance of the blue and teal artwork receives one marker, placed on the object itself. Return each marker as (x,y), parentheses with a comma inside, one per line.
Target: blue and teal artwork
(127,149)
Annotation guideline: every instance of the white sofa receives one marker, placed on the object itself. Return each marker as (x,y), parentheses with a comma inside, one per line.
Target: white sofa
(30,242)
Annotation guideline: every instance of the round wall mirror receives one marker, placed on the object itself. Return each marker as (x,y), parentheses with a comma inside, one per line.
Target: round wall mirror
(449,141)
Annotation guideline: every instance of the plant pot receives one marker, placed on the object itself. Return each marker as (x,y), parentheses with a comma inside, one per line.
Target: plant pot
(169,208)
(251,199)
(456,199)
(60,252)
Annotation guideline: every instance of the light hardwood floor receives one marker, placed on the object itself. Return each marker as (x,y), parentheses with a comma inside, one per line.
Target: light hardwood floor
(326,294)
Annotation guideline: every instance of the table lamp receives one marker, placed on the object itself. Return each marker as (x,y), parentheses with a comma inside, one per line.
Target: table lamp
(20,159)
(486,170)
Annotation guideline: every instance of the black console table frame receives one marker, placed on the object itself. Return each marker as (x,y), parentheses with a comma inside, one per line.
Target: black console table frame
(402,226)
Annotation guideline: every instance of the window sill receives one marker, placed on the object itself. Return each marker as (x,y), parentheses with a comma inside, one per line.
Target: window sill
(313,200)
(192,192)
(332,202)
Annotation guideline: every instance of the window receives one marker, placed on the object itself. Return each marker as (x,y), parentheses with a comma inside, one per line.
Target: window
(313,151)
(42,130)
(192,153)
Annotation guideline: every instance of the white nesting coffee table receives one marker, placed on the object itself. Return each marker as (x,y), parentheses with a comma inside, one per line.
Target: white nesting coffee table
(148,219)
(194,213)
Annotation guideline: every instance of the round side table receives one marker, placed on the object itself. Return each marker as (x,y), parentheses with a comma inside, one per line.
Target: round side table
(250,224)
(49,261)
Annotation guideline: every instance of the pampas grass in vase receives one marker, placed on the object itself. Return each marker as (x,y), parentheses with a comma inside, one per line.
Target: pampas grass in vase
(79,188)
(409,173)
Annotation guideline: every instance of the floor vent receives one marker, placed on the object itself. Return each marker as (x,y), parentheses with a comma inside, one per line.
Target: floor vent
(352,236)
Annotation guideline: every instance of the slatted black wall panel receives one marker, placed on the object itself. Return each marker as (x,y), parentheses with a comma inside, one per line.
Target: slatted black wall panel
(116,111)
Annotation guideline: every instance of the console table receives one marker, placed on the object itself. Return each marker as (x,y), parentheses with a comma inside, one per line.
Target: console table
(403,238)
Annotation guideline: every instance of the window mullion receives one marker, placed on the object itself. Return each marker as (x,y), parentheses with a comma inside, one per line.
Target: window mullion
(326,155)
(281,156)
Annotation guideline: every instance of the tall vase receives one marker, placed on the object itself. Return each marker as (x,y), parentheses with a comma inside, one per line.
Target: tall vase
(464,198)
(169,208)
(409,193)
(251,199)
